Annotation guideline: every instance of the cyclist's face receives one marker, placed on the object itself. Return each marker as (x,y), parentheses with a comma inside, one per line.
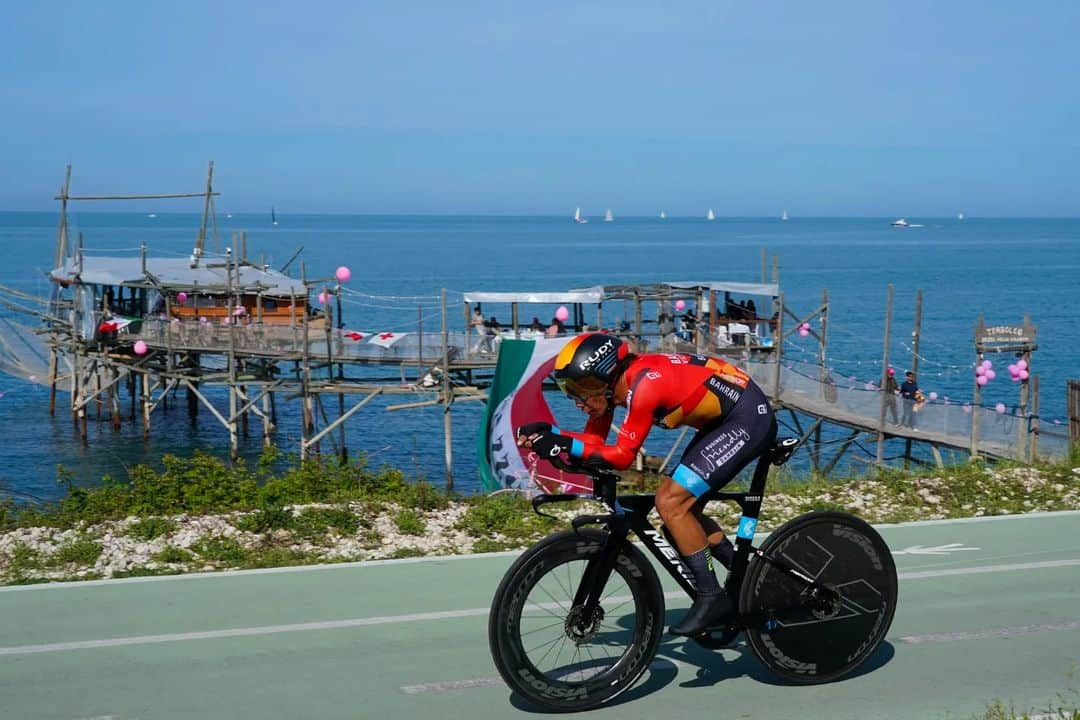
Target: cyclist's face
(594,405)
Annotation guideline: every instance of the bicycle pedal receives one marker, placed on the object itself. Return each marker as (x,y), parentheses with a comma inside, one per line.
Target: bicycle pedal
(717,638)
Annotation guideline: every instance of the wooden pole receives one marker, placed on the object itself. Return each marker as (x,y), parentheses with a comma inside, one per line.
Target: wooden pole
(915,333)
(822,355)
(779,345)
(447,393)
(884,377)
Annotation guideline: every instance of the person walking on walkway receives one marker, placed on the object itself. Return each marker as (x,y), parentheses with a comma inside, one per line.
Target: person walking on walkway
(909,391)
(891,390)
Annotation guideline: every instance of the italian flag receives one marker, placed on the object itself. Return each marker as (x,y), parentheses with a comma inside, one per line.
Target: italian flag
(516,397)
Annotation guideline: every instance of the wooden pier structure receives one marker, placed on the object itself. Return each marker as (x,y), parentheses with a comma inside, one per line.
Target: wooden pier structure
(238,337)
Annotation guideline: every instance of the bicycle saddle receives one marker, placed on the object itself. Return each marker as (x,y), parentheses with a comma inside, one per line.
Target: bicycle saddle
(782,449)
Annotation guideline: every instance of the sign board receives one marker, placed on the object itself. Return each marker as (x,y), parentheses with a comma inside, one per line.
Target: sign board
(1012,335)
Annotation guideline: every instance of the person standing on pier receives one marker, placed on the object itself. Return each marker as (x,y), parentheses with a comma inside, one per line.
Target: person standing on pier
(909,391)
(891,388)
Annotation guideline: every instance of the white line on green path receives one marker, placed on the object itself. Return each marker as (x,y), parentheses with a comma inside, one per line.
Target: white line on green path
(446,558)
(989,633)
(419,617)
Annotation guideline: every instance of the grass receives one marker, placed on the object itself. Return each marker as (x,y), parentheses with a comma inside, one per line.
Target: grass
(329,511)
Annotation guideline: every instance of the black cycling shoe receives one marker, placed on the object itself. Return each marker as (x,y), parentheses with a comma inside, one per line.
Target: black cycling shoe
(706,612)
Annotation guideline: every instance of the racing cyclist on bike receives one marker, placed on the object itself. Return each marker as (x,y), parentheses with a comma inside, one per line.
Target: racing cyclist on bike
(734,424)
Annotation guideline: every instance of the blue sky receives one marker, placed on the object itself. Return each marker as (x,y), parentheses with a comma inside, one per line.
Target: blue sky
(911,108)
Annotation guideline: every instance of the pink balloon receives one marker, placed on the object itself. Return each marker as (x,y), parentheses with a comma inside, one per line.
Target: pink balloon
(803,332)
(1021,364)
(1024,374)
(980,370)
(1013,368)
(987,364)
(1000,407)
(933,396)
(805,326)
(990,374)
(181,297)
(323,297)
(140,347)
(562,314)
(343,274)
(680,305)
(981,380)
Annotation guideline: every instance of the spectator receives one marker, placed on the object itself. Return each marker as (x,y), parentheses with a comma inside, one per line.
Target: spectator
(478,323)
(535,326)
(909,392)
(891,389)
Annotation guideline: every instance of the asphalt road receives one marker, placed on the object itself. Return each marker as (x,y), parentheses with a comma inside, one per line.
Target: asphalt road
(987,610)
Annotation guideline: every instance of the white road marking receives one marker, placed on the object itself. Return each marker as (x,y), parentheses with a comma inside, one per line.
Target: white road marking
(421,617)
(934,549)
(989,633)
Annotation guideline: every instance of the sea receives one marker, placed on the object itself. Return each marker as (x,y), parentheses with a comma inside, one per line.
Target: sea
(1000,268)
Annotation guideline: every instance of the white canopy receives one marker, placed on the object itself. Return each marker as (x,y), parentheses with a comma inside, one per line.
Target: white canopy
(743,288)
(582,295)
(177,274)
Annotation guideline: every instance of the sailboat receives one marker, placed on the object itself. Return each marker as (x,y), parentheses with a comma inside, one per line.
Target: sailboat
(960,216)
(578,218)
(608,217)
(663,215)
(273,216)
(783,215)
(709,215)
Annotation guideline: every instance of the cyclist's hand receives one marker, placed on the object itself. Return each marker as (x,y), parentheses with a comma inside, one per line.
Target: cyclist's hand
(550,445)
(529,429)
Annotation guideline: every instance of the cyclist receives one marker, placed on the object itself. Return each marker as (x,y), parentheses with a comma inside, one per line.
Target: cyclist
(730,412)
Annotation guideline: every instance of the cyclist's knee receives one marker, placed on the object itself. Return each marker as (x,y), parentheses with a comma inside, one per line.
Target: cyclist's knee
(673,501)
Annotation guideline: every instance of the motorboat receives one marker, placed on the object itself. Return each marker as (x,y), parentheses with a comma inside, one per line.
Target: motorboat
(901,223)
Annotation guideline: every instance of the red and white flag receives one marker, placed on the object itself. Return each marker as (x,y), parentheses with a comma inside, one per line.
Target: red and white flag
(357,336)
(386,339)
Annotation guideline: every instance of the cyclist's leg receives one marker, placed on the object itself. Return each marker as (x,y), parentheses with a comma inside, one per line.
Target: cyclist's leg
(713,458)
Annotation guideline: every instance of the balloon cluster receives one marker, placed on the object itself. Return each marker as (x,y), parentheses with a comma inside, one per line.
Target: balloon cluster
(1018,371)
(984,373)
(804,329)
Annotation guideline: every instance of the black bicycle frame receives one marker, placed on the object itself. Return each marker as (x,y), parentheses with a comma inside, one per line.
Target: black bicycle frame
(630,514)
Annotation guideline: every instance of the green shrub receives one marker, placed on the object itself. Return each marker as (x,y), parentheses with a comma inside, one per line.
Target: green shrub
(505,514)
(173,554)
(410,522)
(80,551)
(150,528)
(316,522)
(265,519)
(221,549)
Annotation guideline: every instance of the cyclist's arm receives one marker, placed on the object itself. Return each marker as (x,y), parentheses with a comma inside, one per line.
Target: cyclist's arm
(596,429)
(631,435)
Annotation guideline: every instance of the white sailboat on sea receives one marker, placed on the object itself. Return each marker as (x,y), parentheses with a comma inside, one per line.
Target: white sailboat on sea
(578,218)
(709,215)
(273,216)
(960,216)
(663,215)
(608,217)
(783,215)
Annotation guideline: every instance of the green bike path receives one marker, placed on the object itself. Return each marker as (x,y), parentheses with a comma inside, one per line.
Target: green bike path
(987,609)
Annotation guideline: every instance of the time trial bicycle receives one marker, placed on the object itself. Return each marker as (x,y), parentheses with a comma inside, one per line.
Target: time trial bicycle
(579,617)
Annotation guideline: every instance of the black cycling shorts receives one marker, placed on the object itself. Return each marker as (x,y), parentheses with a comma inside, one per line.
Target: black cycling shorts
(717,454)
